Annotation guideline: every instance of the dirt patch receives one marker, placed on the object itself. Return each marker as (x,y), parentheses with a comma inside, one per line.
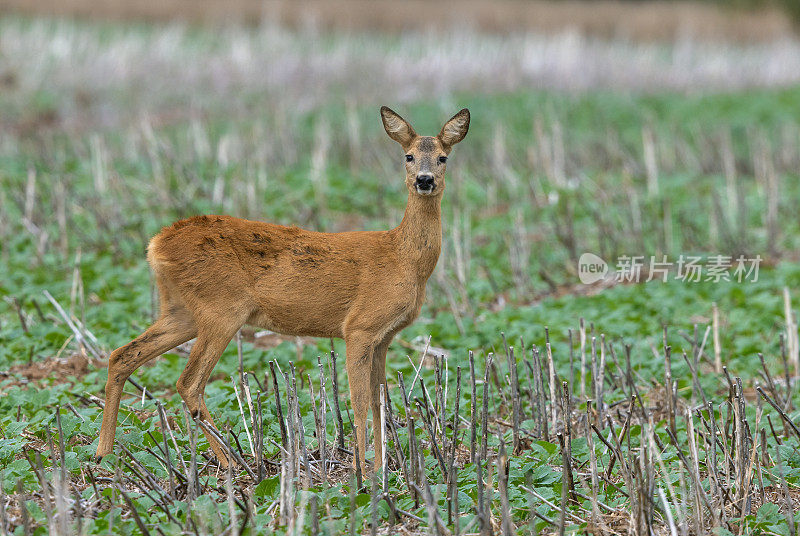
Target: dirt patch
(556,291)
(60,369)
(642,21)
(269,339)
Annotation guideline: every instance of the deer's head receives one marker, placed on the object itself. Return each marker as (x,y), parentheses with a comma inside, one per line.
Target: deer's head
(425,156)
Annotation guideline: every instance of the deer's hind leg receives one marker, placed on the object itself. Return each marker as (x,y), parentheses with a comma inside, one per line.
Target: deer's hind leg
(175,326)
(212,338)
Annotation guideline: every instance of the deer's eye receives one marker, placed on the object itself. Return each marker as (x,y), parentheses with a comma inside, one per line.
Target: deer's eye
(442,159)
(409,158)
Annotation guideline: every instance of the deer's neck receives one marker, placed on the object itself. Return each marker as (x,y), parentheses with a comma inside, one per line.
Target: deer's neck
(420,233)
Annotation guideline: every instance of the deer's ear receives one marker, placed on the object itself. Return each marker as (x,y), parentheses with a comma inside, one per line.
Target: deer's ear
(455,129)
(396,127)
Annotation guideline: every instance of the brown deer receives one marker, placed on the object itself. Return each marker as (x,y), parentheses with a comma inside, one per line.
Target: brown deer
(217,273)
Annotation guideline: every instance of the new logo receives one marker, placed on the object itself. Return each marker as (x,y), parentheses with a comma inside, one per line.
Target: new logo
(591,268)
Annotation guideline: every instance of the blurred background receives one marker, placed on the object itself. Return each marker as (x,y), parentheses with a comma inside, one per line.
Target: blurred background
(598,126)
(610,127)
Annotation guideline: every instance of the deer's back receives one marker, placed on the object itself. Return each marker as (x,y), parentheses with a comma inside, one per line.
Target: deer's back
(288,279)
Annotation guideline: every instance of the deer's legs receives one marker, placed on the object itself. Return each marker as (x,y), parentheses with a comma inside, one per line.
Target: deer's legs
(211,342)
(165,334)
(378,378)
(360,346)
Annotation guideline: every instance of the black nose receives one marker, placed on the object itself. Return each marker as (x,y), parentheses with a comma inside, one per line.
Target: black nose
(425,182)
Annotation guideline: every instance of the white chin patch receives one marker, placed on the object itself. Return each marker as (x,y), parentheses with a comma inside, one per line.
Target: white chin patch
(425,192)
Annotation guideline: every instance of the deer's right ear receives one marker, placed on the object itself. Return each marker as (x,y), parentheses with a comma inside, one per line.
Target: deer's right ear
(455,129)
(396,127)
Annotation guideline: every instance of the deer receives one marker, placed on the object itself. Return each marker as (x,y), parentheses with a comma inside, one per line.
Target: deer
(214,274)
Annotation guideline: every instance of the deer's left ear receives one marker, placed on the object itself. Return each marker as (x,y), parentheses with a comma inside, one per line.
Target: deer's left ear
(397,128)
(455,129)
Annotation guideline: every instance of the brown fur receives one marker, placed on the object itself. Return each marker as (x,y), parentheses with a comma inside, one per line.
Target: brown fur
(217,273)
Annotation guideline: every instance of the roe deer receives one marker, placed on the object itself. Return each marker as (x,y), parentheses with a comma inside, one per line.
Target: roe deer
(217,273)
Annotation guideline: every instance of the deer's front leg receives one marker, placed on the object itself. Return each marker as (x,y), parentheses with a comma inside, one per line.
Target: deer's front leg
(378,378)
(360,346)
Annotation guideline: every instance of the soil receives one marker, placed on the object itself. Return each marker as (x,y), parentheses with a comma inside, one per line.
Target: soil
(61,369)
(654,20)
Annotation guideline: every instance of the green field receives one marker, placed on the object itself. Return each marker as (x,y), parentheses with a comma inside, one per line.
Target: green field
(94,162)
